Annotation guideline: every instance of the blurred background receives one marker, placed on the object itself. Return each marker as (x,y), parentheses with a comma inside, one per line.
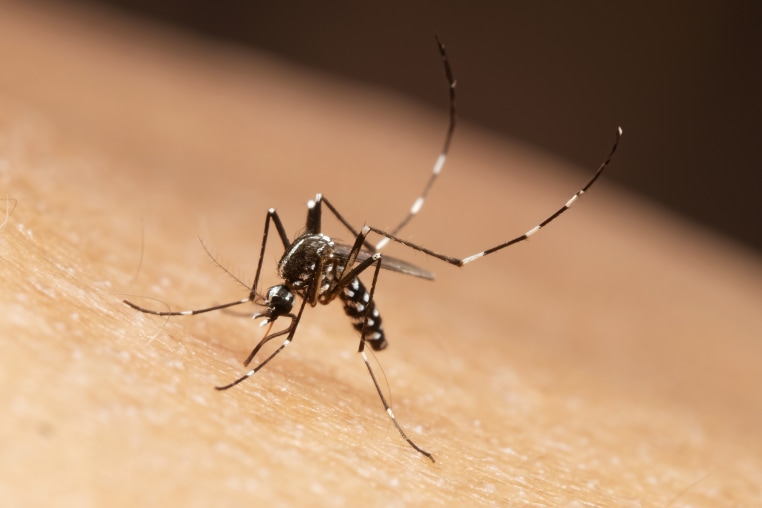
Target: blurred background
(683,79)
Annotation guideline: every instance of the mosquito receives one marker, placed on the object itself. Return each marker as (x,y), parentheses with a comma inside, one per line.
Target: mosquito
(317,270)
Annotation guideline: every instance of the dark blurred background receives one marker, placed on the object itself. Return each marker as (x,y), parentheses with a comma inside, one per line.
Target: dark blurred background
(682,78)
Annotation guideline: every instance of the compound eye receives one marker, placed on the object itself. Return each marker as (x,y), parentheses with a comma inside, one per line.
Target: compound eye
(280,300)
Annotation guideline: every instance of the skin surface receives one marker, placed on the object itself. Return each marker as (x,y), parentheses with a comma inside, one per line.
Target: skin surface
(610,361)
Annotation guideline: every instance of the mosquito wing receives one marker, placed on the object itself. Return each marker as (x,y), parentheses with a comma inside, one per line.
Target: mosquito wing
(387,262)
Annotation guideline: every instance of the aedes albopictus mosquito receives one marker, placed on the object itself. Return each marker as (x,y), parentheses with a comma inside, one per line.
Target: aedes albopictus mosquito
(318,270)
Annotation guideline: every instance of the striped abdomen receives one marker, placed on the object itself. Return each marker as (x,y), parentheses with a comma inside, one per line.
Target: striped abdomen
(357,304)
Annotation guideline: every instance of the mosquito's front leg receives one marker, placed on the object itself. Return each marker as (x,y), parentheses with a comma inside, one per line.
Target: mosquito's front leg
(291,331)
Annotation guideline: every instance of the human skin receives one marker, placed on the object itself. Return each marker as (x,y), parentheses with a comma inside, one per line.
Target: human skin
(610,361)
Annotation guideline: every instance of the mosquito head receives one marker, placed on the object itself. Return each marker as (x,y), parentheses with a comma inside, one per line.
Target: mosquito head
(279,301)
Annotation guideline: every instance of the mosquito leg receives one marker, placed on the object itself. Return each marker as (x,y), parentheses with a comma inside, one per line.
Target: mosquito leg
(272,215)
(365,243)
(349,274)
(352,256)
(418,204)
(460,262)
(440,162)
(391,413)
(291,331)
(267,338)
(186,312)
(387,407)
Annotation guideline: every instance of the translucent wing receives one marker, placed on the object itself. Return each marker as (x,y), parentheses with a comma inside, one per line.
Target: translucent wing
(387,262)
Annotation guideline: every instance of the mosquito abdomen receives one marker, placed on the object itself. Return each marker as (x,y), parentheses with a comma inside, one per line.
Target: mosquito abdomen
(357,304)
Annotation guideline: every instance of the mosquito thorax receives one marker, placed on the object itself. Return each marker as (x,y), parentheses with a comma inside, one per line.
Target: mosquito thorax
(297,266)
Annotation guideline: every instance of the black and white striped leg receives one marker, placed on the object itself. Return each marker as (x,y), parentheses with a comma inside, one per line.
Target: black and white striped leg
(464,261)
(186,312)
(387,407)
(291,330)
(437,169)
(389,411)
(268,336)
(272,215)
(440,162)
(367,330)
